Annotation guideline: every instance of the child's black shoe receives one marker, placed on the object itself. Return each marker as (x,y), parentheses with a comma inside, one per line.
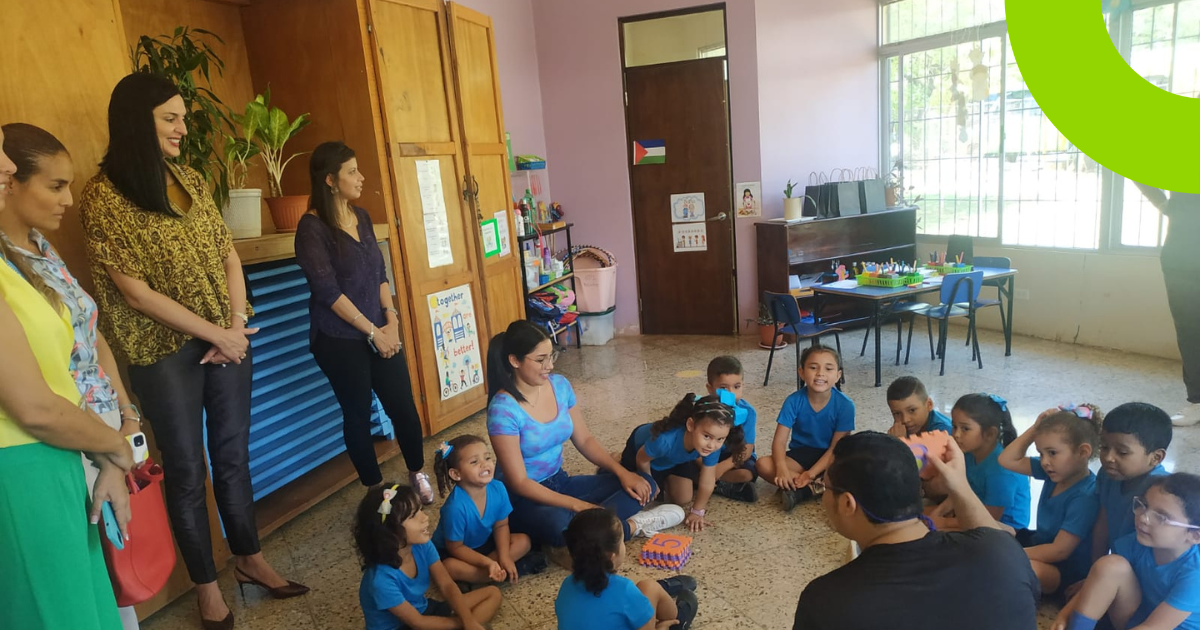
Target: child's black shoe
(686,604)
(743,491)
(792,498)
(533,563)
(677,584)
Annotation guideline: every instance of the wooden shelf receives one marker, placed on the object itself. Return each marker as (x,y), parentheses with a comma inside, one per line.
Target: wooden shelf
(280,246)
(553,282)
(530,237)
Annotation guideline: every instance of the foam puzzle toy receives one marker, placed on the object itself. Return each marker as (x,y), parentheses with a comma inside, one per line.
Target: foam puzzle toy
(666,551)
(926,445)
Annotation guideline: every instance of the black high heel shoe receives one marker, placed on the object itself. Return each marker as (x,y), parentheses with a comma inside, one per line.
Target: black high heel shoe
(292,589)
(223,624)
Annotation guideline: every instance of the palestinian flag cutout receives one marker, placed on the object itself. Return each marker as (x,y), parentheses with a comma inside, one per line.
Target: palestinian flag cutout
(649,152)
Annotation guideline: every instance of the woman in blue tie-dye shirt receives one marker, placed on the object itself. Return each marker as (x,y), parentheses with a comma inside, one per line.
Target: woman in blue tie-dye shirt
(529,417)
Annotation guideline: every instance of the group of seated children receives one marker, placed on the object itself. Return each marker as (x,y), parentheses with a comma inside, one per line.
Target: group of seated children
(1148,519)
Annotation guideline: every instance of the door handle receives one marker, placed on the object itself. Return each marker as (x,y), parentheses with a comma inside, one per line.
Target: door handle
(720,217)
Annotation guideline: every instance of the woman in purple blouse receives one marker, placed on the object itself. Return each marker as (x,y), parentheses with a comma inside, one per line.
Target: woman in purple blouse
(354,330)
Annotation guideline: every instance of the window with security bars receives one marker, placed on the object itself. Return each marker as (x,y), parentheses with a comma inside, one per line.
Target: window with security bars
(903,20)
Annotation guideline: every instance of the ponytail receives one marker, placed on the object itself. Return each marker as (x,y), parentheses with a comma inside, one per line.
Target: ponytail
(447,456)
(518,340)
(989,412)
(706,408)
(593,537)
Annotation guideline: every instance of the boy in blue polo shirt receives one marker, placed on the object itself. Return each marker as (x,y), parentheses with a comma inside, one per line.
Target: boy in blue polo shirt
(810,424)
(1133,445)
(734,481)
(1152,579)
(912,409)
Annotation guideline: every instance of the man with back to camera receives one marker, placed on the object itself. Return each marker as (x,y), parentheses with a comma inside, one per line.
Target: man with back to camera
(907,576)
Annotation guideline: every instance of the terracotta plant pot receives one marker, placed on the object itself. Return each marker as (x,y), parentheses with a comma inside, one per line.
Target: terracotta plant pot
(766,334)
(287,210)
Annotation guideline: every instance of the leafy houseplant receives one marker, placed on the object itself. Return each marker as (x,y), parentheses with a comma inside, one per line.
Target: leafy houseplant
(184,57)
(767,328)
(269,129)
(894,190)
(243,214)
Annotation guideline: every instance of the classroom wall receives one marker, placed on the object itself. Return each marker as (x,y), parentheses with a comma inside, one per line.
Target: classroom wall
(578,55)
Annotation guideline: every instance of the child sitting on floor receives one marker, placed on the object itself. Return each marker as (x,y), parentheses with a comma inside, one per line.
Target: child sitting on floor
(982,428)
(1060,549)
(810,424)
(1133,445)
(912,409)
(472,535)
(391,533)
(734,481)
(667,450)
(594,597)
(1152,579)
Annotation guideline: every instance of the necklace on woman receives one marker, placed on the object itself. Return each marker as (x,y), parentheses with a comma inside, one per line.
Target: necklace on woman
(532,401)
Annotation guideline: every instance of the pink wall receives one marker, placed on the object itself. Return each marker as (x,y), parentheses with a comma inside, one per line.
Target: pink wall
(579,56)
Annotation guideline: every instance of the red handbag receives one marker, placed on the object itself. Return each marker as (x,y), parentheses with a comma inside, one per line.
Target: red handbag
(141,569)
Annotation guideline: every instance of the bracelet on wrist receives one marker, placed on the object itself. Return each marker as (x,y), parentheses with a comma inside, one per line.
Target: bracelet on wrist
(699,513)
(242,316)
(371,335)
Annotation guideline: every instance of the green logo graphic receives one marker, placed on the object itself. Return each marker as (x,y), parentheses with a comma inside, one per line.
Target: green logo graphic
(1097,101)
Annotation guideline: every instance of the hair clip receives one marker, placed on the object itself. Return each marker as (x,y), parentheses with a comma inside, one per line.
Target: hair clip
(445,448)
(726,397)
(999,401)
(1082,410)
(385,508)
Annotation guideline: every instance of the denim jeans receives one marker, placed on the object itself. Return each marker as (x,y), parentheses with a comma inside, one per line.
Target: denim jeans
(545,523)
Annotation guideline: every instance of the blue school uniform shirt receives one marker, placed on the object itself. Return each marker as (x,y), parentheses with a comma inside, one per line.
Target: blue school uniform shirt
(1000,487)
(1073,511)
(749,426)
(1116,497)
(620,606)
(666,450)
(541,442)
(1177,582)
(813,429)
(384,587)
(938,421)
(461,521)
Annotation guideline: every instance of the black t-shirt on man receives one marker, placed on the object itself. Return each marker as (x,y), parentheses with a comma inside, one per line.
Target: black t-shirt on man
(978,579)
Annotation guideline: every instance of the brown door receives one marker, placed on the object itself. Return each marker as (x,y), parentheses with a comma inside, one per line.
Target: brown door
(685,263)
(473,48)
(420,116)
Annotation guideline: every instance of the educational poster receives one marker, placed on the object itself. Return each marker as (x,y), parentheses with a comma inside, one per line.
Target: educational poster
(455,340)
(491,238)
(433,206)
(502,228)
(690,237)
(687,207)
(649,152)
(747,198)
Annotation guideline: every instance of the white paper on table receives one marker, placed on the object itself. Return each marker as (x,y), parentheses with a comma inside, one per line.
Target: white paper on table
(842,284)
(502,229)
(433,206)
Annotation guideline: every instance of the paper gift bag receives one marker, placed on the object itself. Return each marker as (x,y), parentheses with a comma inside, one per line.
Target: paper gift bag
(813,195)
(870,192)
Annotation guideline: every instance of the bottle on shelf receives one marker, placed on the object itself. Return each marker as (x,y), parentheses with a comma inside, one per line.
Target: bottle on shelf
(532,205)
(518,221)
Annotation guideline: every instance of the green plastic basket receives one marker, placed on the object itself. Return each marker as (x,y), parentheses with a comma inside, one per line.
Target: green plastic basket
(891,283)
(945,269)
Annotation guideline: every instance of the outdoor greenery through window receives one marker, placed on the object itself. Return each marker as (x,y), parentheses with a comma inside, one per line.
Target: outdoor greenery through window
(978,150)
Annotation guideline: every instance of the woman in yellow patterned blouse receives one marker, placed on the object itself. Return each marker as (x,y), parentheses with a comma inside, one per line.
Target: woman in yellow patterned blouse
(173,302)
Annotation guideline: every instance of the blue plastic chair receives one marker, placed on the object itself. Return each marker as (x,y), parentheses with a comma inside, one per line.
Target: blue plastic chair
(960,292)
(784,310)
(994,262)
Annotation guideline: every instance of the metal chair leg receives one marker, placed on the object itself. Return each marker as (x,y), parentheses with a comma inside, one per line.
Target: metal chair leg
(908,351)
(837,341)
(867,336)
(929,329)
(771,357)
(975,338)
(899,332)
(798,362)
(942,344)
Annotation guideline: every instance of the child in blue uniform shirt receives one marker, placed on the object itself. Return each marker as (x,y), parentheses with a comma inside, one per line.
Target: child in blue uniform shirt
(810,424)
(1152,579)
(472,535)
(735,481)
(982,428)
(666,450)
(1060,549)
(594,597)
(912,409)
(1133,444)
(391,533)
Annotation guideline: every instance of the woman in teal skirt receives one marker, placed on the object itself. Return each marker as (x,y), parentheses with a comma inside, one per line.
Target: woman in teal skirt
(52,572)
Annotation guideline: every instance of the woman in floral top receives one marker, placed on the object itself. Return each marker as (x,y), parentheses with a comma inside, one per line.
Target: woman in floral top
(173,302)
(38,197)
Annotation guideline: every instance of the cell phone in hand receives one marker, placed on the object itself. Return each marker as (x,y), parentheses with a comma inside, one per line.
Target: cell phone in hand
(111,529)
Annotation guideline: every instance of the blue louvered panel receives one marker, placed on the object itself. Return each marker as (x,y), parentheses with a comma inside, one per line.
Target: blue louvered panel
(295,420)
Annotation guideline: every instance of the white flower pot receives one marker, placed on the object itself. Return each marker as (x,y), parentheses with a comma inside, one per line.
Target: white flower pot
(243,215)
(793,208)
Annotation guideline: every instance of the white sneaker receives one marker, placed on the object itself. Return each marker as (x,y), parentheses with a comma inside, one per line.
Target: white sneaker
(1188,417)
(650,522)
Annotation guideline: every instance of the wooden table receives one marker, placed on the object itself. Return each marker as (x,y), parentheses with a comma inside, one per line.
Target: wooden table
(879,296)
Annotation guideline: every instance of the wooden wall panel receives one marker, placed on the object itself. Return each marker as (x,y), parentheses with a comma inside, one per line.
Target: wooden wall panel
(62,59)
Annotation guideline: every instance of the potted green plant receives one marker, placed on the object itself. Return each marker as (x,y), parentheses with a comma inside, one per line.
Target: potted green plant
(183,57)
(793,207)
(894,192)
(243,214)
(767,329)
(269,128)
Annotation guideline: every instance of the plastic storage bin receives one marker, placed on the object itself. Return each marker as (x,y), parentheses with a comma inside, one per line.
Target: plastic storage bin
(596,289)
(596,328)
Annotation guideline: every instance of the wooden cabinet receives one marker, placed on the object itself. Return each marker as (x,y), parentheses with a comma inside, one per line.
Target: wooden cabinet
(405,83)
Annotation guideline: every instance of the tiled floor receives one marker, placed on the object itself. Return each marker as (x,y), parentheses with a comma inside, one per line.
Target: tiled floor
(754,562)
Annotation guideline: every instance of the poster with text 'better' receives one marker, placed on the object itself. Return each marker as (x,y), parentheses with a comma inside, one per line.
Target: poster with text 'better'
(455,341)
